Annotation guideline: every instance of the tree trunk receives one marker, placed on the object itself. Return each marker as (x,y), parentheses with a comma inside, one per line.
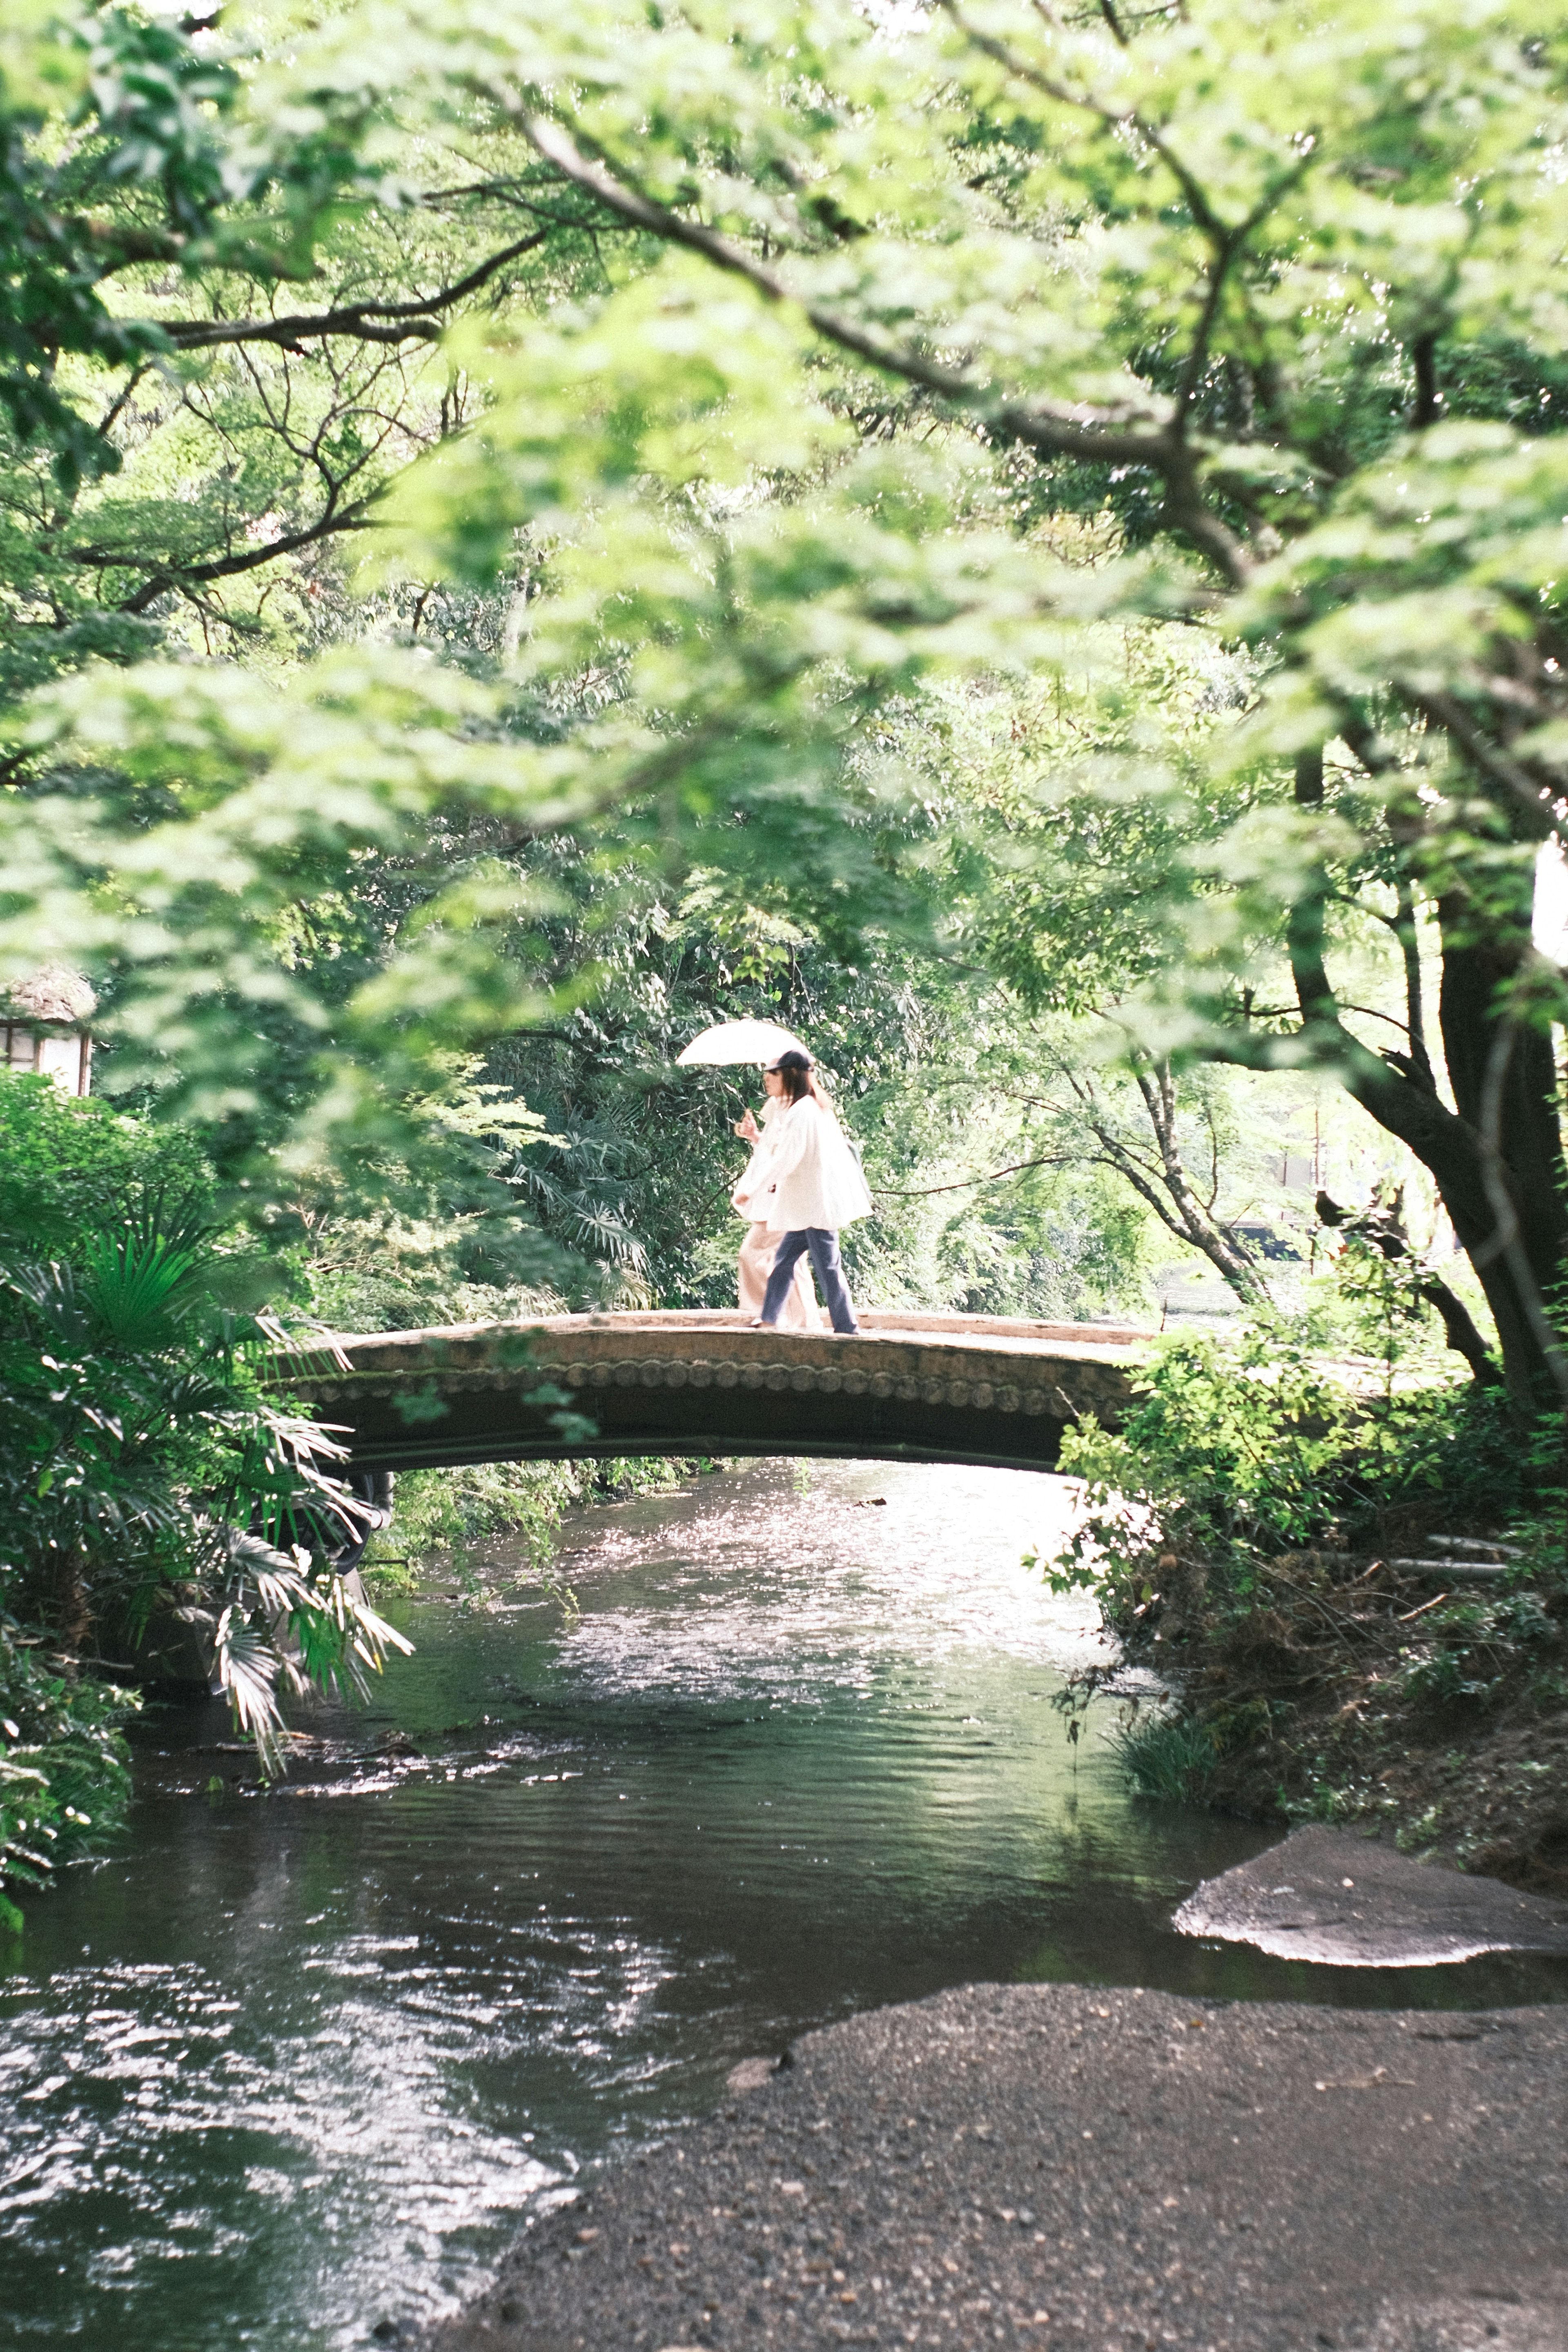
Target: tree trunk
(1449,1145)
(1479,953)
(1167,1188)
(72,1614)
(1531,1138)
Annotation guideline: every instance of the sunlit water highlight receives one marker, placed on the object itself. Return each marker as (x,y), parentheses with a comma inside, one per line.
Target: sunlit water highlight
(295,2063)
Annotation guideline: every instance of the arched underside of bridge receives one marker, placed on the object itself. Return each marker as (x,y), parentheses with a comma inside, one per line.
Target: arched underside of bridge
(929,1388)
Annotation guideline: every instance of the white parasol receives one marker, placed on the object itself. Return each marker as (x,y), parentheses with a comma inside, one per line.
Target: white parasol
(742,1040)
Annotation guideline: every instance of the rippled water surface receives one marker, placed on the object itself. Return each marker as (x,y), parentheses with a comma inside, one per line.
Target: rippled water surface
(298,2062)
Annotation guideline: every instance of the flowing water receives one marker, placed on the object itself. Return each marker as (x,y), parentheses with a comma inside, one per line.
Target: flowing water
(295,2063)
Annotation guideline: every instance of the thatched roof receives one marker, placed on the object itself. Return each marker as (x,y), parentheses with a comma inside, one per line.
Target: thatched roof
(55,993)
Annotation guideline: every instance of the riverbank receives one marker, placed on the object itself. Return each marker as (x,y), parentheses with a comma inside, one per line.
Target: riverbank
(518,1506)
(1342,1688)
(1348,1572)
(1043,2164)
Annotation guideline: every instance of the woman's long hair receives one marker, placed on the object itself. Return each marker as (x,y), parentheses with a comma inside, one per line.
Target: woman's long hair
(799,1078)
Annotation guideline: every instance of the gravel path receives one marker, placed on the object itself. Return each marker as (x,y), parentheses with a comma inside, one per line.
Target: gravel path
(1118,2172)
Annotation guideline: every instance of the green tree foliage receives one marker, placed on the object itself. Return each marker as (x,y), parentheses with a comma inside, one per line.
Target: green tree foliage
(1248,1446)
(64,1777)
(639,1156)
(227,269)
(60,1160)
(157,1507)
(1028,546)
(1263,1531)
(1175,398)
(1277,300)
(292,894)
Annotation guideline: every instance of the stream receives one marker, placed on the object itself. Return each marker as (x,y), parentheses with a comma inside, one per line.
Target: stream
(294,2064)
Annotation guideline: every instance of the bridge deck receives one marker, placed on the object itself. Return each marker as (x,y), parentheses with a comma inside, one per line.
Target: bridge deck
(933,1388)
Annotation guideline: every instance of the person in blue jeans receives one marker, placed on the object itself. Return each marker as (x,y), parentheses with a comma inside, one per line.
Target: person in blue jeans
(819,1189)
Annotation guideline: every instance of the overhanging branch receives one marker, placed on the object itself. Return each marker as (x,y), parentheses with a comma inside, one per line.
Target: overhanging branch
(376,322)
(1496,765)
(178,577)
(1057,428)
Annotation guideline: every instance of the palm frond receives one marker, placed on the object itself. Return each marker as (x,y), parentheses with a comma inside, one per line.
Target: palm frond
(137,1282)
(246,1666)
(50,1291)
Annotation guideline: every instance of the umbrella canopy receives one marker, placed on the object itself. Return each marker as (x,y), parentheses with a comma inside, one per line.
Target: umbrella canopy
(742,1040)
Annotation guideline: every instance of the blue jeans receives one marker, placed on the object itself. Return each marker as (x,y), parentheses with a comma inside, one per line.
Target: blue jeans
(824,1248)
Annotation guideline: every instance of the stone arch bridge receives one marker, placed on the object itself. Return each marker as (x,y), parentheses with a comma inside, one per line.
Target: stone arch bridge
(910,1387)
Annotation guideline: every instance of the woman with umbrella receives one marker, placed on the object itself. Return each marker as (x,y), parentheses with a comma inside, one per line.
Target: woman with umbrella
(752,1196)
(817,1189)
(759,1042)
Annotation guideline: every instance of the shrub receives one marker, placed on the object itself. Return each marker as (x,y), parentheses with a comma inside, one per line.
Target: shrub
(1242,1530)
(65,1162)
(450,1510)
(1239,1450)
(64,1778)
(146,1480)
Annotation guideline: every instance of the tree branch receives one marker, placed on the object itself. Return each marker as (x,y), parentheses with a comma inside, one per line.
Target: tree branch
(362,319)
(1114,117)
(1055,429)
(1406,932)
(1199,1225)
(1203,334)
(1382,1225)
(967,1184)
(1113,1155)
(119,244)
(1460,1330)
(121,400)
(1450,712)
(228,567)
(1186,509)
(1428,403)
(1506,1242)
(1363,740)
(1439,1136)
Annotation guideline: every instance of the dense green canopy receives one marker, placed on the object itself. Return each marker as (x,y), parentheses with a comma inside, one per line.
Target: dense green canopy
(1075,497)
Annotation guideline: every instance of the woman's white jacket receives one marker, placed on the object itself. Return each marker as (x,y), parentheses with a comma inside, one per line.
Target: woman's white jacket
(751,1195)
(815,1177)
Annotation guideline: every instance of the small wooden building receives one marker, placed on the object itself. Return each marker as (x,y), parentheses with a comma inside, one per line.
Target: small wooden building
(44,1027)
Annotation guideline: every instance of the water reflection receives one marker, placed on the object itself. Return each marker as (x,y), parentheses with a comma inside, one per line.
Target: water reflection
(300,2062)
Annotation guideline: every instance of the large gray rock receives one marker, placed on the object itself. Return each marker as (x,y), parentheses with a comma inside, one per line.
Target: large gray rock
(1325,1895)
